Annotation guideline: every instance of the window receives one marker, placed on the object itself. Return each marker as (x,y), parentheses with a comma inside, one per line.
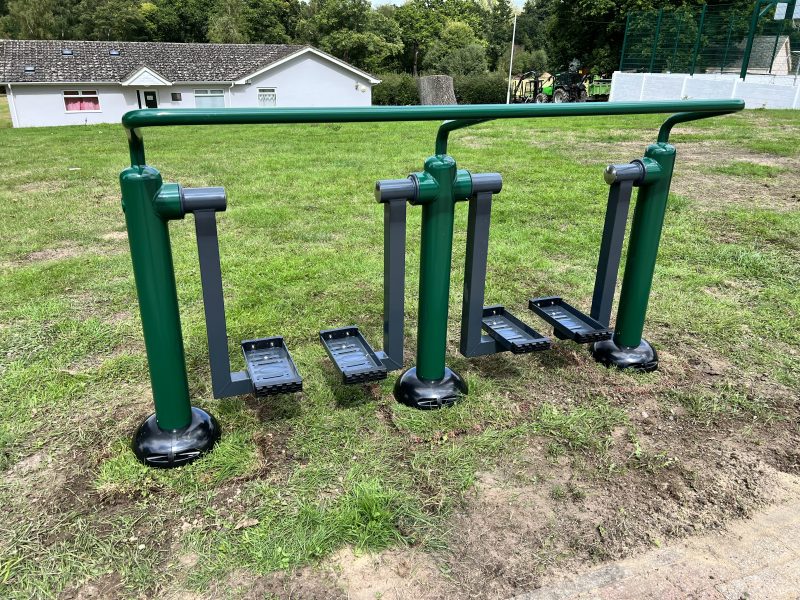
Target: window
(267,97)
(113,52)
(66,52)
(176,97)
(81,100)
(209,98)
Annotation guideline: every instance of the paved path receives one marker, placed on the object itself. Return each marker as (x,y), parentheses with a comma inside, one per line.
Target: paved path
(753,560)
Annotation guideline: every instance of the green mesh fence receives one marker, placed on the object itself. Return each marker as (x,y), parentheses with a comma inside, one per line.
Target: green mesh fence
(712,39)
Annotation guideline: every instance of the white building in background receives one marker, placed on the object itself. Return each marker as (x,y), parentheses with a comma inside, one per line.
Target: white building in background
(53,82)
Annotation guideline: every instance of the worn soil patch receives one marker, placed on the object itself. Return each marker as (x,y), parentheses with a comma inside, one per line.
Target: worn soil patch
(57,253)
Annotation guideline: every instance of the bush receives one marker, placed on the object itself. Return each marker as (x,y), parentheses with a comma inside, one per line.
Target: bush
(487,88)
(395,89)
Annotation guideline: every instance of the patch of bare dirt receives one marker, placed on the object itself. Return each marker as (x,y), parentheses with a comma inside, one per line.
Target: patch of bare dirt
(103,588)
(57,253)
(713,190)
(114,236)
(35,478)
(303,584)
(511,536)
(392,575)
(36,186)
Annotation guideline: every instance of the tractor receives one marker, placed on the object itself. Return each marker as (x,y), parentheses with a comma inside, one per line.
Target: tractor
(526,88)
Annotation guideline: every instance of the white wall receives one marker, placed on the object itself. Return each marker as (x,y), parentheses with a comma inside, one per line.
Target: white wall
(757,91)
(307,80)
(38,105)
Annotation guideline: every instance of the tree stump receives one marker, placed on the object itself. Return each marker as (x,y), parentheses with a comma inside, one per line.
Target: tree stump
(436,89)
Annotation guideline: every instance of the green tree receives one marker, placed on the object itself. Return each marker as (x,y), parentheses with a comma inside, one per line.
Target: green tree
(457,52)
(419,27)
(39,20)
(176,20)
(532,24)
(499,31)
(228,24)
(112,20)
(351,30)
(273,21)
(524,61)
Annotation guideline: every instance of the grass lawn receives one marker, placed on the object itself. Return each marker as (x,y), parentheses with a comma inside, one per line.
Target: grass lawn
(551,462)
(5,114)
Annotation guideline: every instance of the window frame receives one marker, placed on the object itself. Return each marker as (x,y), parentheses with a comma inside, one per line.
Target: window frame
(261,90)
(208,93)
(79,93)
(179,96)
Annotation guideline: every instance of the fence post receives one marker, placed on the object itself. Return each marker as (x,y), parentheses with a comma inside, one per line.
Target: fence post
(655,40)
(675,47)
(751,34)
(788,16)
(625,41)
(727,47)
(699,38)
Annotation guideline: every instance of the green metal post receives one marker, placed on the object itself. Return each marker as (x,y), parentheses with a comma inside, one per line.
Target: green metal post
(436,249)
(699,38)
(727,47)
(158,299)
(655,40)
(789,13)
(751,34)
(675,46)
(177,433)
(624,41)
(648,220)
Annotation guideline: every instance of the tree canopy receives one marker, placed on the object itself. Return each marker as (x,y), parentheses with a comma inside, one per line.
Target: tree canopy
(436,36)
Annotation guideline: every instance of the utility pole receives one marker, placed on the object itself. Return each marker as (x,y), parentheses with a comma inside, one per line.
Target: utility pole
(511,61)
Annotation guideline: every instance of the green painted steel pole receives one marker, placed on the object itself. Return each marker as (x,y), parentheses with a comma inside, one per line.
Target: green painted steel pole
(153,271)
(436,250)
(699,39)
(624,41)
(648,220)
(727,46)
(654,49)
(751,34)
(675,47)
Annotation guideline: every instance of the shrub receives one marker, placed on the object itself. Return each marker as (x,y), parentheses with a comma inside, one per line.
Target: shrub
(395,89)
(486,88)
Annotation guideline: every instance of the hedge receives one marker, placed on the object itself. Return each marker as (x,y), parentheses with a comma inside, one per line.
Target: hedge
(400,89)
(395,89)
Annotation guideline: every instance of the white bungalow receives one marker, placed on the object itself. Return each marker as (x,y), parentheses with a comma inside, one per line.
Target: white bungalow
(54,82)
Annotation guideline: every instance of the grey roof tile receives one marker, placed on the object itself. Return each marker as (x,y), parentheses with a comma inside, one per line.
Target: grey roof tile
(91,61)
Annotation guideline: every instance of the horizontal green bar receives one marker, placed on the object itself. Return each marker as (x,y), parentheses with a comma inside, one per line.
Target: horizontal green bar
(247,116)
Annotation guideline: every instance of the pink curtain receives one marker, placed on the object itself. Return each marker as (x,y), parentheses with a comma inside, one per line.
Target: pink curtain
(87,103)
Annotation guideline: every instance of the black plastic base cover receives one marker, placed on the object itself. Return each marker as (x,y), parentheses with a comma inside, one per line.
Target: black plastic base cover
(165,449)
(642,358)
(411,390)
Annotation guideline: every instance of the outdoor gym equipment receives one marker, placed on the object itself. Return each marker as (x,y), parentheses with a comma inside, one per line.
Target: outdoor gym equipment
(178,433)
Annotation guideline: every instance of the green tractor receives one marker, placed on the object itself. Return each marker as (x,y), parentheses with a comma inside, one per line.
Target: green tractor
(567,86)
